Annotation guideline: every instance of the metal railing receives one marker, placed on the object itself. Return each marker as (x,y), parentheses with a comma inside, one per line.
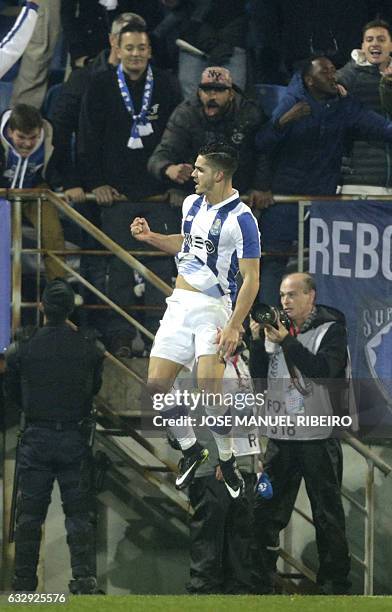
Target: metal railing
(367,510)
(18,196)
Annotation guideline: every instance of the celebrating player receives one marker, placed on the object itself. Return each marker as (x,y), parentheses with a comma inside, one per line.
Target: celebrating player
(219,236)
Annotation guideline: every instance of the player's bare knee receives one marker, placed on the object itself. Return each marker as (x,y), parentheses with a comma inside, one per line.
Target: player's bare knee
(155,386)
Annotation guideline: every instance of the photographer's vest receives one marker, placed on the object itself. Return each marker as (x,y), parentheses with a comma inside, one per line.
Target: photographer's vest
(285,400)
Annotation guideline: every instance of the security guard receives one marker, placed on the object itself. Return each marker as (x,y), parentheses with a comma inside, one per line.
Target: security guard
(52,373)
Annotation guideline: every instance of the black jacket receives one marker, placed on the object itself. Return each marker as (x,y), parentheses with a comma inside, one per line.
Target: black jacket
(53,373)
(86,23)
(331,358)
(368,161)
(287,32)
(188,129)
(65,120)
(214,26)
(105,127)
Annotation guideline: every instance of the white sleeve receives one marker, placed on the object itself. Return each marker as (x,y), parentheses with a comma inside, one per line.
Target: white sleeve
(15,42)
(186,205)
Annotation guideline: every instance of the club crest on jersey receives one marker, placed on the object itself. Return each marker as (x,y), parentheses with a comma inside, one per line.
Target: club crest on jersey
(216,227)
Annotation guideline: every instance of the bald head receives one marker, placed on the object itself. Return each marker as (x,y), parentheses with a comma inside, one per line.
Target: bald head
(297,294)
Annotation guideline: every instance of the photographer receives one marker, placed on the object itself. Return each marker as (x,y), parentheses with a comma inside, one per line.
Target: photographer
(307,344)
(52,374)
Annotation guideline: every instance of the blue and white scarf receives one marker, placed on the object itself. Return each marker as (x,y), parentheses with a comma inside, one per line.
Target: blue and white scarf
(141,126)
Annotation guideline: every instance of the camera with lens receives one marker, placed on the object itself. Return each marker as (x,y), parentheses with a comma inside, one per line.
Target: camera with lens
(270,315)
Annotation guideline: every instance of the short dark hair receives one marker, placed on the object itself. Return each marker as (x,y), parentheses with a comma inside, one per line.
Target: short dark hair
(377,23)
(58,300)
(306,66)
(25,118)
(133,26)
(221,156)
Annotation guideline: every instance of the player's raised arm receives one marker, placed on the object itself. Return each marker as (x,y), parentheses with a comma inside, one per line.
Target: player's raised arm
(140,230)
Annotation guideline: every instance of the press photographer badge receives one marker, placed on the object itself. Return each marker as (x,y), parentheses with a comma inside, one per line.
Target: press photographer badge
(294,401)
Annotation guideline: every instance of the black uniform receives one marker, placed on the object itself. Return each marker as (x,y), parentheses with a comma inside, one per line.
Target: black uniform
(53,374)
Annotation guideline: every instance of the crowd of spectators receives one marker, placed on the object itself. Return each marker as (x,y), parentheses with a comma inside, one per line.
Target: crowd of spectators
(150,82)
(225,49)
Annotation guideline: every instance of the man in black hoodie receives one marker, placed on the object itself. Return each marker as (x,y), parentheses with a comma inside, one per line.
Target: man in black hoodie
(307,376)
(124,113)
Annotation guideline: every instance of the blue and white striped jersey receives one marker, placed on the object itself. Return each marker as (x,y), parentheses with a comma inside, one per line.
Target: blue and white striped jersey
(215,237)
(15,41)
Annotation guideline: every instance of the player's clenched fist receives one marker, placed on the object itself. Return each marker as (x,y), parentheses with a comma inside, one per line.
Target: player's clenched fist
(140,228)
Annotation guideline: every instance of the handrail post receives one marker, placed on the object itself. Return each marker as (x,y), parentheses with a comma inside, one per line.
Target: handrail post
(369,529)
(9,432)
(39,257)
(301,234)
(16,261)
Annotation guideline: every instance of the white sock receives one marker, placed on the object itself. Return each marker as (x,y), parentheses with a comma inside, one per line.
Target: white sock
(184,433)
(222,434)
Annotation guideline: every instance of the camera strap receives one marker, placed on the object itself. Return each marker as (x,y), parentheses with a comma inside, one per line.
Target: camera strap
(294,378)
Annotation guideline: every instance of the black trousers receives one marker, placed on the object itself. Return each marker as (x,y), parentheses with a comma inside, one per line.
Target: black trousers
(319,463)
(46,454)
(221,537)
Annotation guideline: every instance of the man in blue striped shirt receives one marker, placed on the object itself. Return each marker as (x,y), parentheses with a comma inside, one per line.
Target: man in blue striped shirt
(205,314)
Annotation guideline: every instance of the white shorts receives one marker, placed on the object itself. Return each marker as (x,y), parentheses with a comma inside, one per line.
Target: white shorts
(189,326)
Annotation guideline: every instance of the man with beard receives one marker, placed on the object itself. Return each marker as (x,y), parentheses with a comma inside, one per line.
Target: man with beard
(218,114)
(304,143)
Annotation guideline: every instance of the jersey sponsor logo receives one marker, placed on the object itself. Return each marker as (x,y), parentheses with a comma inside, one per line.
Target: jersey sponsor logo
(198,242)
(216,227)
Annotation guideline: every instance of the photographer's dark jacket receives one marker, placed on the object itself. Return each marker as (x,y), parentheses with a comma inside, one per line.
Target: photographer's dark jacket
(53,372)
(320,358)
(188,129)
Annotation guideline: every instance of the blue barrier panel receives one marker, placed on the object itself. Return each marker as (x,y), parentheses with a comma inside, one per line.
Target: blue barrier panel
(351,259)
(5,274)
